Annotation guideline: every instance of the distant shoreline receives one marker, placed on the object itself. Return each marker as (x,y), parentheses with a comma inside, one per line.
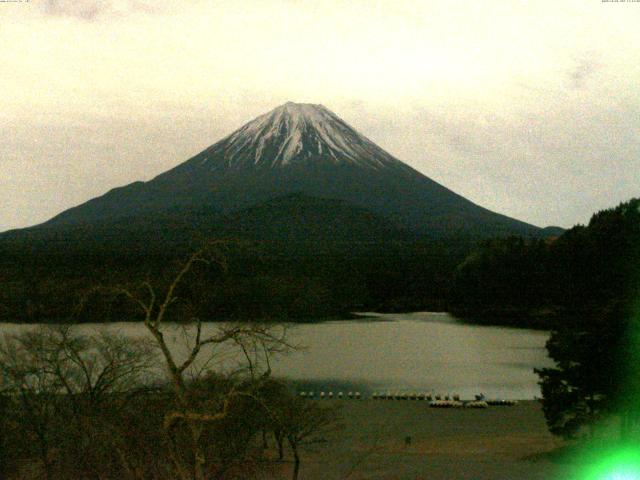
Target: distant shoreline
(500,318)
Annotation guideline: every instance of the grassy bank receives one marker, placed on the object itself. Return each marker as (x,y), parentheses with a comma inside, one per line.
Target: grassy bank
(409,440)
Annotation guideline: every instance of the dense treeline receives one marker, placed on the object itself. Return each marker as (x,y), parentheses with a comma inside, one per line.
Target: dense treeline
(263,280)
(585,286)
(536,282)
(514,280)
(293,258)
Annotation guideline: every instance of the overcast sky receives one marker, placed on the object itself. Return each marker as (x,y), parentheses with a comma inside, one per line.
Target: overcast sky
(529,108)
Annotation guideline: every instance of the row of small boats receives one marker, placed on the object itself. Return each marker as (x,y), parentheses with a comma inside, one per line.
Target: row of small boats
(471,403)
(436,401)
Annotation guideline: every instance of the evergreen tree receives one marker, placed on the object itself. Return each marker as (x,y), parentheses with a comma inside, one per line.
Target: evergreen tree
(597,347)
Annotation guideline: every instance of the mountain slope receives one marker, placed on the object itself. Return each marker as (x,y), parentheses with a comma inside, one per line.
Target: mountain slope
(299,218)
(298,148)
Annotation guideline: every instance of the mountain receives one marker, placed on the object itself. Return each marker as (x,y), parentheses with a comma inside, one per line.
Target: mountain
(300,218)
(296,149)
(327,223)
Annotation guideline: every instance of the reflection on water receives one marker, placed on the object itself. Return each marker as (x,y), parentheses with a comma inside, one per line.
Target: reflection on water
(418,351)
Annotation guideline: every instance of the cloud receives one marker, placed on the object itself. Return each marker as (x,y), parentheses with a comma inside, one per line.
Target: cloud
(90,10)
(526,108)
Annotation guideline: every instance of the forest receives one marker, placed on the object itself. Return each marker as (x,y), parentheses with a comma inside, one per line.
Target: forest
(518,281)
(271,281)
(585,287)
(543,283)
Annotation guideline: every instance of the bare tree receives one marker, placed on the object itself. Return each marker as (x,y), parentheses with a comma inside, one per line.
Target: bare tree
(297,420)
(64,383)
(256,342)
(303,422)
(34,392)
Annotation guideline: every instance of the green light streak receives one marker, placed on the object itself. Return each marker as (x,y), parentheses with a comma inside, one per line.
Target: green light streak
(618,463)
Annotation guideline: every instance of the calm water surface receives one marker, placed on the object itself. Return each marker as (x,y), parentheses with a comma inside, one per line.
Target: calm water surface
(418,351)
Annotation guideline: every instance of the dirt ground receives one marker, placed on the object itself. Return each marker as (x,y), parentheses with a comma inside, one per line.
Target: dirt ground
(495,443)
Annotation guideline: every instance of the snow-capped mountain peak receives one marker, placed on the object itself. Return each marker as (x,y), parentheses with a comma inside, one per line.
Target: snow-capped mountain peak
(296,133)
(296,149)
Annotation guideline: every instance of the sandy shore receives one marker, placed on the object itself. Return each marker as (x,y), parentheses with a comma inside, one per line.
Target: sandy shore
(495,443)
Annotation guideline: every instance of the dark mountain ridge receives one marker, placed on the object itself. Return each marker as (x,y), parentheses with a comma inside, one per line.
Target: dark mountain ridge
(327,223)
(296,149)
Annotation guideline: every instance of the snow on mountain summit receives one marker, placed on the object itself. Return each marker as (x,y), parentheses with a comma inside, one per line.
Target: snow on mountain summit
(296,149)
(296,133)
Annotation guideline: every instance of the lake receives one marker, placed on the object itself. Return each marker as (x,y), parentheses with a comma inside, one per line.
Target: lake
(422,352)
